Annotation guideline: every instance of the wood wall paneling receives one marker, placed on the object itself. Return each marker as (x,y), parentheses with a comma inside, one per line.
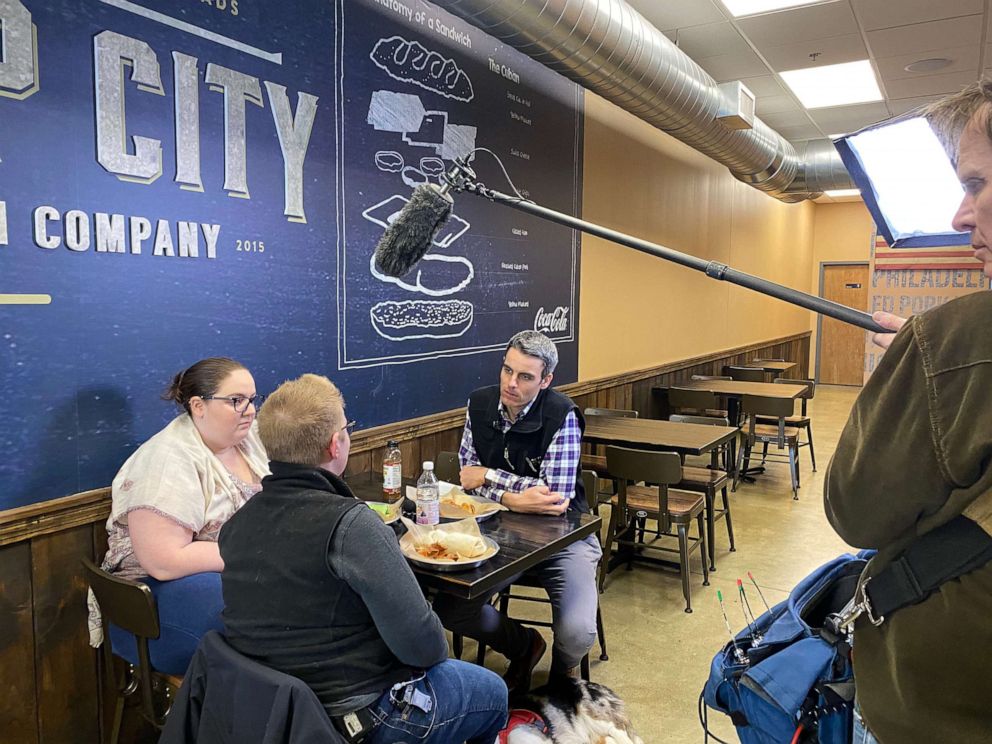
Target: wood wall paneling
(66,670)
(18,701)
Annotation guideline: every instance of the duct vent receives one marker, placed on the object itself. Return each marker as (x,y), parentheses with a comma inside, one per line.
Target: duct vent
(737,108)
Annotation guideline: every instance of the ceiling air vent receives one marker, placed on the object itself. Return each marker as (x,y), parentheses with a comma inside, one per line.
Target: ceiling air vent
(737,106)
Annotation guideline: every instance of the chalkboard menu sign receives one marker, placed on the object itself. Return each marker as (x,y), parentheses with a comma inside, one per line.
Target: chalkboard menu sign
(197,178)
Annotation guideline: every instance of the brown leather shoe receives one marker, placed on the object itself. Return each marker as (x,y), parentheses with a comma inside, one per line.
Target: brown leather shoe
(518,675)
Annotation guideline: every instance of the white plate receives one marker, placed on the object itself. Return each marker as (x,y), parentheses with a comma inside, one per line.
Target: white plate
(406,545)
(486,508)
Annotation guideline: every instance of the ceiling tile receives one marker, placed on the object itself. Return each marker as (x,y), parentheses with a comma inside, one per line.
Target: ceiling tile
(929,85)
(775,104)
(815,52)
(709,40)
(799,24)
(805,132)
(963,59)
(764,85)
(785,119)
(901,105)
(733,66)
(921,37)
(678,13)
(842,119)
(876,14)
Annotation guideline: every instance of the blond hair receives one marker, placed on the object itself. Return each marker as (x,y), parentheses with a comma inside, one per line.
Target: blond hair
(949,116)
(298,420)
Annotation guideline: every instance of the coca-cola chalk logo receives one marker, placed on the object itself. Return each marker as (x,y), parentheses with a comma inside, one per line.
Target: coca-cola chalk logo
(555,321)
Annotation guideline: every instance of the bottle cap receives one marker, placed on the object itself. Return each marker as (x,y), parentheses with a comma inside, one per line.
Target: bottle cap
(392,443)
(428,465)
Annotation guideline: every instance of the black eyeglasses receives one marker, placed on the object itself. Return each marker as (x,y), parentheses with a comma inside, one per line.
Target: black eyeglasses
(238,402)
(350,427)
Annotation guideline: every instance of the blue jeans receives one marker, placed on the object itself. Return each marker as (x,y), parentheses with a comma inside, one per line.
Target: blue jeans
(187,609)
(468,704)
(861,734)
(569,578)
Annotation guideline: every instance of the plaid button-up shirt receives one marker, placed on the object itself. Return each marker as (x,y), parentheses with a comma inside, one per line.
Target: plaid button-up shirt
(558,467)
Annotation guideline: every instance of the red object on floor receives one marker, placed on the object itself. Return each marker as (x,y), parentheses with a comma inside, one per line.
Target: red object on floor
(520,717)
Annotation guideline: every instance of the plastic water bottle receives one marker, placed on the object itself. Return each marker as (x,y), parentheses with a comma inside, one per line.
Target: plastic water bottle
(392,473)
(428,498)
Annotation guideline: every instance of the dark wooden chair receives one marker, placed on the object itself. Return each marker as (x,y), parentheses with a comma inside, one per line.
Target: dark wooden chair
(802,422)
(597,462)
(130,606)
(447,467)
(668,507)
(589,482)
(755,407)
(693,402)
(745,374)
(708,481)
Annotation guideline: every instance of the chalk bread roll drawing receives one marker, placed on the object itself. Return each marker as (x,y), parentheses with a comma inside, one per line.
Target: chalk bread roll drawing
(409,319)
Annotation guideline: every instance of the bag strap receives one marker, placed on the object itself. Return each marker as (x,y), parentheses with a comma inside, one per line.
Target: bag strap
(947,552)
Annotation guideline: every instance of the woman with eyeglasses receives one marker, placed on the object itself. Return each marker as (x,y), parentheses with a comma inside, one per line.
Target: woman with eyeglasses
(171,498)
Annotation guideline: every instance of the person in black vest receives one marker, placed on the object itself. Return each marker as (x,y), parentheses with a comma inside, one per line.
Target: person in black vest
(315,586)
(521,447)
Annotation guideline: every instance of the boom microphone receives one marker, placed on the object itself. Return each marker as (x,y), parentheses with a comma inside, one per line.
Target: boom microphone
(409,237)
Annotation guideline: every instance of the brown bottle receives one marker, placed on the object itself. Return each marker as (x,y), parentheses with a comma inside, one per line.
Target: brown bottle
(392,473)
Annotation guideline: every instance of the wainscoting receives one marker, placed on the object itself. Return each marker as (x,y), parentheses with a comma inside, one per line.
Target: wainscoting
(51,677)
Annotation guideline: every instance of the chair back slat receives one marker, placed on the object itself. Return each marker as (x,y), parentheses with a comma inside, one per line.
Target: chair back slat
(699,400)
(745,374)
(447,467)
(761,405)
(127,604)
(662,468)
(610,412)
(683,418)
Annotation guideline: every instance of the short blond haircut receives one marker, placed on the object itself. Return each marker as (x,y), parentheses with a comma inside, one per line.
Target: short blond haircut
(949,116)
(298,420)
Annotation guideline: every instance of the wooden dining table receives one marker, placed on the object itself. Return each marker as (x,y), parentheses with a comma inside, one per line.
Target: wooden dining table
(772,366)
(524,541)
(654,434)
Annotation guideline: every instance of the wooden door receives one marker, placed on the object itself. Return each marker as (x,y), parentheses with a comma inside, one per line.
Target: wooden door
(841,345)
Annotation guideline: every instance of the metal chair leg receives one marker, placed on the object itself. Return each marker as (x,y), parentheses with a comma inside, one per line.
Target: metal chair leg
(794,473)
(604,565)
(684,566)
(603,656)
(730,522)
(809,439)
(710,552)
(702,551)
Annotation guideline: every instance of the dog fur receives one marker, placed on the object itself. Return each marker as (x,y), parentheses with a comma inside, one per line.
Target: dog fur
(577,712)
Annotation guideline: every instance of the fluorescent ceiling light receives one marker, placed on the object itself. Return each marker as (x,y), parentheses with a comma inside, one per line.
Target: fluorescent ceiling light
(906,180)
(843,192)
(750,7)
(834,85)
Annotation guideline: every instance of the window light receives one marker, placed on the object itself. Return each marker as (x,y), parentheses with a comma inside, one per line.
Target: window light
(740,8)
(834,85)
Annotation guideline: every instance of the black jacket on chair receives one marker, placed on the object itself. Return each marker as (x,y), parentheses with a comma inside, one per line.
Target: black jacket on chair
(227,698)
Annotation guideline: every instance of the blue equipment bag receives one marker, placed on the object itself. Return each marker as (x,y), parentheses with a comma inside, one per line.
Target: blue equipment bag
(795,684)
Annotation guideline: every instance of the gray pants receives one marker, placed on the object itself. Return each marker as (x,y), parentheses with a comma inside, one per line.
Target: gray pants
(569,578)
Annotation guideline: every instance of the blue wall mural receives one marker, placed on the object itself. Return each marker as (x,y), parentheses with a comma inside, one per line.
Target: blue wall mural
(209,177)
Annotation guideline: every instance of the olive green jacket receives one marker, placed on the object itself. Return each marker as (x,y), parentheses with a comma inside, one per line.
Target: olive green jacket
(915,453)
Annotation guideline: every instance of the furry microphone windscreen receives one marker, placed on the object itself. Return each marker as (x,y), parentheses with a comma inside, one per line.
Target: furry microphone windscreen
(409,237)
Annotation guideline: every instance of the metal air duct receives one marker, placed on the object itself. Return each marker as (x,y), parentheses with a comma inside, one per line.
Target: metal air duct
(610,49)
